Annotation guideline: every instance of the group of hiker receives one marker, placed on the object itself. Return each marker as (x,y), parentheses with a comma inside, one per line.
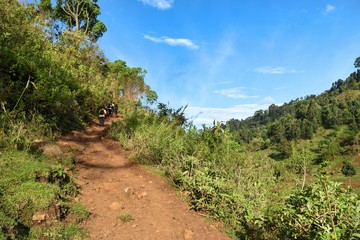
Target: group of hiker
(108,110)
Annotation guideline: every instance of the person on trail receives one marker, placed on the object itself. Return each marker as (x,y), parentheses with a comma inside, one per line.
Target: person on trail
(110,109)
(102,114)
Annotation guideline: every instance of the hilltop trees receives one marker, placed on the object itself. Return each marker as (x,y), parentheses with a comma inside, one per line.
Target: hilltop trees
(80,15)
(357,62)
(301,119)
(60,79)
(128,82)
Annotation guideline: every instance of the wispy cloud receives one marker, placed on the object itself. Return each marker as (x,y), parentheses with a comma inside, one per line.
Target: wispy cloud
(160,4)
(207,116)
(268,99)
(184,42)
(274,70)
(329,8)
(234,93)
(225,82)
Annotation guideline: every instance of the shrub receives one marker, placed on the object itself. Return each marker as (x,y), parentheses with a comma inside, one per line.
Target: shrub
(323,210)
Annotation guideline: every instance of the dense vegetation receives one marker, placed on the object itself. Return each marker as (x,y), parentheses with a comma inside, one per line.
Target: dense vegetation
(53,79)
(288,195)
(337,109)
(265,177)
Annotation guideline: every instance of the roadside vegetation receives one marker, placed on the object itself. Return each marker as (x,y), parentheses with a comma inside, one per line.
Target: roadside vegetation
(282,173)
(293,174)
(53,79)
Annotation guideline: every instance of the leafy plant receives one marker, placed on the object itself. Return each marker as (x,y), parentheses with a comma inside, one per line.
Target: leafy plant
(323,210)
(126,217)
(348,169)
(79,211)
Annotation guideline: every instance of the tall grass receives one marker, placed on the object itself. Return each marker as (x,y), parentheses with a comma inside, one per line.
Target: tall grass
(249,193)
(219,177)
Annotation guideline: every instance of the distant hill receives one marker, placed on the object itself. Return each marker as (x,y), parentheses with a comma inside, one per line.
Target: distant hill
(337,110)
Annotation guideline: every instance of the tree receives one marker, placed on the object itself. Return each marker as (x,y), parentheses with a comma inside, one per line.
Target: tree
(357,62)
(300,162)
(151,96)
(81,15)
(348,169)
(130,81)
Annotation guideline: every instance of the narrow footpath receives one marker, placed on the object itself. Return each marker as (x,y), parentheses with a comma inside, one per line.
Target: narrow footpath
(126,201)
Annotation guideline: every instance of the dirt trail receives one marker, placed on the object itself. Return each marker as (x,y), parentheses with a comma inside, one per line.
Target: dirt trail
(112,186)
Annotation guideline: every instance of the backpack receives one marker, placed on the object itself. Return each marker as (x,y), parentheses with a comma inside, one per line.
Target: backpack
(102,112)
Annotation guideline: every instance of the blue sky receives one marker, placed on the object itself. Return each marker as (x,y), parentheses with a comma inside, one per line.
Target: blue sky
(228,58)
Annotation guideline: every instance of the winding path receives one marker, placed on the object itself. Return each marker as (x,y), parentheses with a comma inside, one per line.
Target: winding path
(113,187)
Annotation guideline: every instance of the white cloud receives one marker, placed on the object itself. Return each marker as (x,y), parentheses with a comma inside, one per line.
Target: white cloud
(329,8)
(225,82)
(234,93)
(274,70)
(268,99)
(173,41)
(207,116)
(160,4)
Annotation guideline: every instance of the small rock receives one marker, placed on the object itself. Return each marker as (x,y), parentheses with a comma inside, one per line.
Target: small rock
(128,191)
(188,234)
(39,217)
(141,195)
(150,182)
(134,225)
(114,206)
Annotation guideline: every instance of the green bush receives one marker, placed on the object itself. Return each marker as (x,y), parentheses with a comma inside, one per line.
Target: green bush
(323,210)
(30,184)
(79,211)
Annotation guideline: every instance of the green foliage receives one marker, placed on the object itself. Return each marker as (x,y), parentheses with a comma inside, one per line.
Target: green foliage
(23,201)
(33,83)
(357,62)
(128,82)
(80,15)
(126,217)
(151,97)
(79,212)
(323,210)
(302,118)
(244,191)
(348,169)
(207,164)
(59,231)
(30,184)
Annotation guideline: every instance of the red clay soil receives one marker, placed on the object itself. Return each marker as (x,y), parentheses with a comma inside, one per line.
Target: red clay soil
(113,187)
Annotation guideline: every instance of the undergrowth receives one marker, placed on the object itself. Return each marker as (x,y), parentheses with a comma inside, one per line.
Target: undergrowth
(248,193)
(34,185)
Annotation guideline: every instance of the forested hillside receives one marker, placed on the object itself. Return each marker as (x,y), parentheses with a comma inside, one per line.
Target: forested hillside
(327,126)
(304,118)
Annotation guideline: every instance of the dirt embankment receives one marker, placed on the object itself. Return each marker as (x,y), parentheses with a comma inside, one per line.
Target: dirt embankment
(125,200)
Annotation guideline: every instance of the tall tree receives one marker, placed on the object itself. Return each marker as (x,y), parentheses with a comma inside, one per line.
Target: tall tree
(357,62)
(81,15)
(129,81)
